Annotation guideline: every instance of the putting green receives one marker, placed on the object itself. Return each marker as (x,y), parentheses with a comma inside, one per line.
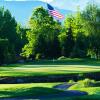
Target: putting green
(32,70)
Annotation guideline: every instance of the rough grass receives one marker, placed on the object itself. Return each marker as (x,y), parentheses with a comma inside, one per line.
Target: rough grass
(27,90)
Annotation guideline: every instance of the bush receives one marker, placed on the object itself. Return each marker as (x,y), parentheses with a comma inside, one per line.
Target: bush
(88,83)
(83,84)
(62,58)
(38,56)
(71,81)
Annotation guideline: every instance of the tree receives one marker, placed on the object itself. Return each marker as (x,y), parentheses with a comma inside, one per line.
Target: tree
(6,54)
(70,42)
(80,47)
(43,35)
(91,19)
(81,40)
(22,40)
(8,28)
(3,50)
(62,39)
(66,37)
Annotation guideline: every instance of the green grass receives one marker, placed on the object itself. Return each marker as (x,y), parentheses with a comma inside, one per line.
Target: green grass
(45,67)
(42,89)
(90,97)
(93,94)
(27,90)
(85,85)
(91,90)
(67,61)
(38,70)
(48,67)
(92,87)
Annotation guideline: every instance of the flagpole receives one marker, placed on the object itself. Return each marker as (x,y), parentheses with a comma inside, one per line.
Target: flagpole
(49,7)
(46,2)
(3,3)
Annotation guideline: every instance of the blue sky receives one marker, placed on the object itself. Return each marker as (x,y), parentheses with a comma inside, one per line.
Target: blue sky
(22,11)
(65,4)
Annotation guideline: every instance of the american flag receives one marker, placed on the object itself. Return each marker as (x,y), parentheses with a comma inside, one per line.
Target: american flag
(54,13)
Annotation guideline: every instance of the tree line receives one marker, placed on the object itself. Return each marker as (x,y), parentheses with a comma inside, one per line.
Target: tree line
(47,38)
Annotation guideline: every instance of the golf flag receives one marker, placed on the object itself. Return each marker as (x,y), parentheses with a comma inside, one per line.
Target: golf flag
(54,13)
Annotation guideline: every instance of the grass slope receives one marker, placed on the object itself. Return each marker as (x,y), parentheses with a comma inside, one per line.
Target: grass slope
(27,90)
(91,90)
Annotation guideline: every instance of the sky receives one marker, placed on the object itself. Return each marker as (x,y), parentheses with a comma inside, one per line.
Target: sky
(23,16)
(65,4)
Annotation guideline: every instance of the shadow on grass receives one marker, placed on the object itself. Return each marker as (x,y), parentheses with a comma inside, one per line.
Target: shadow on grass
(40,93)
(69,61)
(28,92)
(90,97)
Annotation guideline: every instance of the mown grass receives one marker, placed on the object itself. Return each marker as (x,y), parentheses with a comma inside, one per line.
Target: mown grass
(45,67)
(42,70)
(93,94)
(91,90)
(39,68)
(27,90)
(67,61)
(89,97)
(90,86)
(35,90)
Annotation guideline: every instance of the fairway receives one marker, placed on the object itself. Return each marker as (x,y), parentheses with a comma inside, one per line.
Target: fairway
(45,72)
(24,90)
(38,70)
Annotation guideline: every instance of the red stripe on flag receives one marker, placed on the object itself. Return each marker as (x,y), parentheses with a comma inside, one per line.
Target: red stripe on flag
(56,14)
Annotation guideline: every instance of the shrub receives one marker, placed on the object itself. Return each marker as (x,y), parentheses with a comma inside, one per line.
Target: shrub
(88,83)
(71,81)
(81,76)
(83,84)
(62,58)
(38,56)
